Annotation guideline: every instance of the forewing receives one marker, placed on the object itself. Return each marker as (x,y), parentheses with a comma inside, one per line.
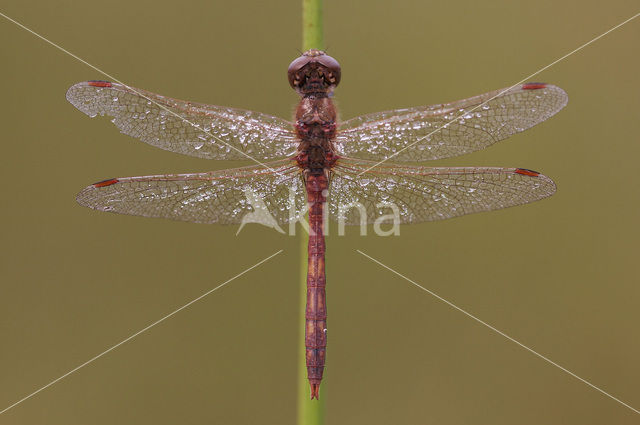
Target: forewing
(441,131)
(204,131)
(418,194)
(226,197)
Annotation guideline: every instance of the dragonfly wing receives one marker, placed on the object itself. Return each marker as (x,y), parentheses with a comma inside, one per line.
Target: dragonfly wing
(441,131)
(417,194)
(248,194)
(204,131)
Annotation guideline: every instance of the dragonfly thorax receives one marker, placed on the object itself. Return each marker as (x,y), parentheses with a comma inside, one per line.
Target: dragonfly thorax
(316,131)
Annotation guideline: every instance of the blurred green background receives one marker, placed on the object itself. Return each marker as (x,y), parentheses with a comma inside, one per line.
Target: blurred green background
(559,275)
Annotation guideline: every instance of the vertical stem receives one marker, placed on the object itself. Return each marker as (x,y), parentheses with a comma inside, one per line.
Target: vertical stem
(312,31)
(310,412)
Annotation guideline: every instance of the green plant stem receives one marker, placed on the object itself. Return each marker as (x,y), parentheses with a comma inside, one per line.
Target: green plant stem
(310,412)
(312,22)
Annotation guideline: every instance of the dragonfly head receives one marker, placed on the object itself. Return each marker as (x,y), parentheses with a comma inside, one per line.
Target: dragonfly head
(314,72)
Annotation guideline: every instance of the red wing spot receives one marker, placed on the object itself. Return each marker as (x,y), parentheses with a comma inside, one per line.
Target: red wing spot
(104,183)
(533,86)
(526,172)
(99,83)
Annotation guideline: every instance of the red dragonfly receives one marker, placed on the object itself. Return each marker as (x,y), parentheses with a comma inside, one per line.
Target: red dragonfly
(319,163)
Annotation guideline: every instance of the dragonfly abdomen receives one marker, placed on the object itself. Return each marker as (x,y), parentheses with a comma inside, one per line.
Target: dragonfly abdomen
(316,311)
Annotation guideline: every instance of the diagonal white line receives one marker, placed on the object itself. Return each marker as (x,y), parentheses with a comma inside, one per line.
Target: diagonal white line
(503,91)
(498,331)
(135,91)
(138,333)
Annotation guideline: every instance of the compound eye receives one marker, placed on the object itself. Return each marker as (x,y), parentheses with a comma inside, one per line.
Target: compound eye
(333,66)
(295,67)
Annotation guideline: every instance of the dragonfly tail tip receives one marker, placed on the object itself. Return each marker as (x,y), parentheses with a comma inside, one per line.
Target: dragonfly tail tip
(315,389)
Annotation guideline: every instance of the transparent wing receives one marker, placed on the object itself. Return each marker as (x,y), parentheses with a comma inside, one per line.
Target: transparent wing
(248,194)
(413,133)
(418,194)
(204,131)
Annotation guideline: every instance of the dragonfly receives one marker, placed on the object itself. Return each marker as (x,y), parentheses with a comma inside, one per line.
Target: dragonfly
(316,164)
